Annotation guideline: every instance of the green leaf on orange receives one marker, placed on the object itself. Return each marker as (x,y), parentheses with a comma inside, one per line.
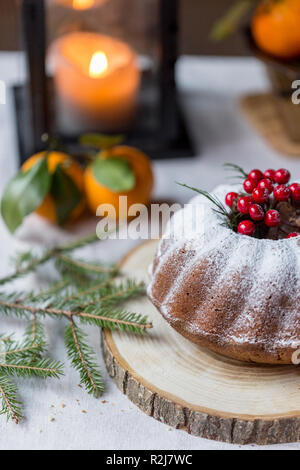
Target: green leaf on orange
(25,193)
(114,173)
(232,19)
(65,193)
(101,141)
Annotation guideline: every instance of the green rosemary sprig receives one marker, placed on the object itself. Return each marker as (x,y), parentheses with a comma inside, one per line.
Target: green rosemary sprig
(232,166)
(209,196)
(220,208)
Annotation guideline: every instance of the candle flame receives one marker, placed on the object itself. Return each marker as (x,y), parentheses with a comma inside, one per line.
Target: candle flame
(98,65)
(83,4)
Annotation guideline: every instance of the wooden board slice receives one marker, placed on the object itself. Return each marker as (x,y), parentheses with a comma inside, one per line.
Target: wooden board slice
(190,388)
(262,111)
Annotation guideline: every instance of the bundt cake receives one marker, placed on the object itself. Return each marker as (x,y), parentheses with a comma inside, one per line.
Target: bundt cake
(236,295)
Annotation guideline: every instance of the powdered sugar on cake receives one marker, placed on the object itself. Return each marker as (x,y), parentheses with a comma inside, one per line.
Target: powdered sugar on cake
(247,289)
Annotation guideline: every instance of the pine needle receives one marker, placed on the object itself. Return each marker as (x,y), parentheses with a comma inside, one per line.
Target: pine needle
(114,319)
(11,405)
(85,291)
(93,314)
(44,368)
(22,259)
(26,262)
(5,339)
(214,200)
(54,288)
(95,289)
(83,359)
(79,243)
(35,333)
(110,294)
(83,271)
(29,267)
(16,352)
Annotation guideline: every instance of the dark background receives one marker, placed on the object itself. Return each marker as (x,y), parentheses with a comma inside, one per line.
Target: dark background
(196,20)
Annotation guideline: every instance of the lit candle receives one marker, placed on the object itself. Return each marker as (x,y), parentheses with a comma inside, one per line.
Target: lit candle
(81,4)
(97,82)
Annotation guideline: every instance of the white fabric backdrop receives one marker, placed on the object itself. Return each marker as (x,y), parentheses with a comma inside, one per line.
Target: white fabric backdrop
(209,90)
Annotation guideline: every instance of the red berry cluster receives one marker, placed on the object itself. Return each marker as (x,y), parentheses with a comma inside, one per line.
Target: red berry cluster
(263,189)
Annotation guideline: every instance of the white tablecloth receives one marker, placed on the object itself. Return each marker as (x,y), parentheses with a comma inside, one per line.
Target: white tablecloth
(209,91)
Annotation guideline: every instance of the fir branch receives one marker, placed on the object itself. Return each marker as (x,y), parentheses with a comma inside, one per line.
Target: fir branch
(27,268)
(31,331)
(21,259)
(115,319)
(44,368)
(16,352)
(34,337)
(44,295)
(80,293)
(79,243)
(81,275)
(6,339)
(11,406)
(84,268)
(96,315)
(35,334)
(123,291)
(112,294)
(83,360)
(34,262)
(9,305)
(85,291)
(75,279)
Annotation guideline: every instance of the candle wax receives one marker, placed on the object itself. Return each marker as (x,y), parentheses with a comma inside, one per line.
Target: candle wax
(97,82)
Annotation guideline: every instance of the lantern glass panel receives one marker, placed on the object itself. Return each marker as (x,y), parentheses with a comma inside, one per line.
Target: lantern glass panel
(105,66)
(104,59)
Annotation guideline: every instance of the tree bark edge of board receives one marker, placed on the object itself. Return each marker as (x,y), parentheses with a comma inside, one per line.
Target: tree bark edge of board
(230,430)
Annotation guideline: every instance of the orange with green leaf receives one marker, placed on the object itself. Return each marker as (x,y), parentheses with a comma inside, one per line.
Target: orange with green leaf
(56,187)
(51,184)
(118,171)
(276,28)
(275,25)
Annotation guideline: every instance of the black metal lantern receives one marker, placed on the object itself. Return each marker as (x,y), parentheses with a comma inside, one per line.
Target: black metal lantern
(105,66)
